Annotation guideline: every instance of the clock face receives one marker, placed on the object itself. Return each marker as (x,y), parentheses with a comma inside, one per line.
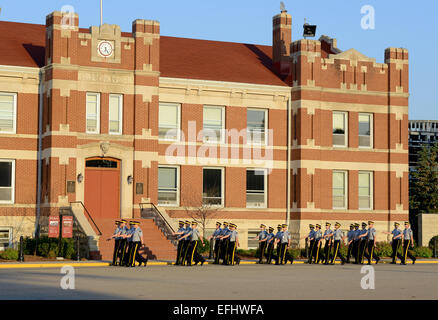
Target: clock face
(105,49)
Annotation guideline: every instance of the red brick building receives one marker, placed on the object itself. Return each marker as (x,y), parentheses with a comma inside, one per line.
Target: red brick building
(105,123)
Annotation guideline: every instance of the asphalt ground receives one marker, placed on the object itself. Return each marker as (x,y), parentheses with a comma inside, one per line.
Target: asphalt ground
(217,282)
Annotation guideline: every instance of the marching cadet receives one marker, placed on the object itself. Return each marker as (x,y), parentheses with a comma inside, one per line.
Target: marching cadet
(192,254)
(233,245)
(179,250)
(317,252)
(328,234)
(270,250)
(220,252)
(122,242)
(350,240)
(338,236)
(128,237)
(216,237)
(262,237)
(277,238)
(116,237)
(396,241)
(356,243)
(186,244)
(225,239)
(372,243)
(284,243)
(137,242)
(362,243)
(408,242)
(311,238)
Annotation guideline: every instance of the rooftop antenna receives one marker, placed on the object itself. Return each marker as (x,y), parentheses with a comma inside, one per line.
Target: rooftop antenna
(282,7)
(101,13)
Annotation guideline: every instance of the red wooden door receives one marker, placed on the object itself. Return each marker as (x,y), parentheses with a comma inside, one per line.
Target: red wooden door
(102,188)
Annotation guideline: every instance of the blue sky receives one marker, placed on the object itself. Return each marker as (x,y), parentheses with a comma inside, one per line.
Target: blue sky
(407,24)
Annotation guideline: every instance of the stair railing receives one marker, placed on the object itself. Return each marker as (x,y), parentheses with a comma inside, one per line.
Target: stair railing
(149,210)
(89,217)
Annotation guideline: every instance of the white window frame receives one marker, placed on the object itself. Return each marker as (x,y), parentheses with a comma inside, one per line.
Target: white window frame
(345,113)
(178,130)
(120,96)
(221,140)
(12,183)
(252,233)
(371,146)
(97,113)
(371,174)
(9,244)
(345,191)
(222,186)
(14,120)
(248,140)
(265,198)
(177,187)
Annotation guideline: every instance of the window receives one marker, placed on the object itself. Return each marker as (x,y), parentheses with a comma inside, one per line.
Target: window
(93,113)
(365,130)
(7,181)
(5,237)
(214,124)
(212,190)
(169,121)
(168,186)
(339,190)
(256,126)
(115,113)
(339,129)
(365,190)
(253,243)
(256,188)
(8,112)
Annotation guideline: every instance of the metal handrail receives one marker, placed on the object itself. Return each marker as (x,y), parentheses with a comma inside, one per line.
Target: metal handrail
(89,217)
(158,213)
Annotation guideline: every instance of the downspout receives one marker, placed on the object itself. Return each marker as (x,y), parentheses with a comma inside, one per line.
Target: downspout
(40,151)
(289,131)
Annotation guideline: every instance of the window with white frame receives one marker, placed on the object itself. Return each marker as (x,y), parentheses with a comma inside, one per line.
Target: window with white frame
(8,112)
(169,121)
(256,123)
(365,190)
(340,130)
(365,130)
(93,112)
(168,186)
(213,186)
(256,188)
(252,242)
(7,181)
(340,183)
(213,124)
(5,237)
(115,113)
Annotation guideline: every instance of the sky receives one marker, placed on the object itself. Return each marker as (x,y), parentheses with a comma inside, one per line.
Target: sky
(406,24)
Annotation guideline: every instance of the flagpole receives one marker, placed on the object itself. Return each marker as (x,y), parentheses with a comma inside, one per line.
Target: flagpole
(101,13)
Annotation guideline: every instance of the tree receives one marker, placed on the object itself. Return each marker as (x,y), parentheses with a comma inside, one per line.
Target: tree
(423,193)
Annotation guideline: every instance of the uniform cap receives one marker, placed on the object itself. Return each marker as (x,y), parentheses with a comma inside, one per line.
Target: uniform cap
(356,224)
(311,226)
(187,222)
(369,222)
(117,222)
(328,224)
(225,223)
(124,221)
(218,223)
(406,222)
(271,229)
(318,225)
(262,226)
(396,223)
(364,224)
(337,224)
(279,226)
(181,222)
(352,225)
(194,223)
(284,225)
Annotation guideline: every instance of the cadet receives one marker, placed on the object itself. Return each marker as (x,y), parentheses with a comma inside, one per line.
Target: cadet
(350,240)
(192,254)
(262,237)
(186,244)
(338,236)
(328,234)
(408,242)
(216,237)
(225,239)
(137,242)
(123,243)
(233,245)
(285,242)
(270,250)
(128,237)
(396,241)
(356,243)
(278,236)
(311,238)
(318,255)
(116,238)
(179,250)
(362,243)
(372,240)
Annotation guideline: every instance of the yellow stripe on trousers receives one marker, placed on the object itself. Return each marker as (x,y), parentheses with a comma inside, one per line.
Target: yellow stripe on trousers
(406,252)
(371,253)
(193,252)
(336,253)
(284,253)
(133,255)
(317,251)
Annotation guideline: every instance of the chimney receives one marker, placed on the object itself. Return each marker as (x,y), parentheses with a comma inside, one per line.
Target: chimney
(281,40)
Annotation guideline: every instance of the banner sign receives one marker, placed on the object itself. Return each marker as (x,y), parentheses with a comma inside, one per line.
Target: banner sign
(53,227)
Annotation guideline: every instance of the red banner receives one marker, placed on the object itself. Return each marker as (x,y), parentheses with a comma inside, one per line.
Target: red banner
(67,226)
(53,227)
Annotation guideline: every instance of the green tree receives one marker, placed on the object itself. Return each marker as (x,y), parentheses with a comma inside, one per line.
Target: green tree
(423,193)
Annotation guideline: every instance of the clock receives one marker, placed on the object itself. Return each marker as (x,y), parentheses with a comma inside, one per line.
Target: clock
(105,49)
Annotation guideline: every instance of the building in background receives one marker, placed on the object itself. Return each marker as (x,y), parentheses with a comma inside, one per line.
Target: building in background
(421,133)
(104,124)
